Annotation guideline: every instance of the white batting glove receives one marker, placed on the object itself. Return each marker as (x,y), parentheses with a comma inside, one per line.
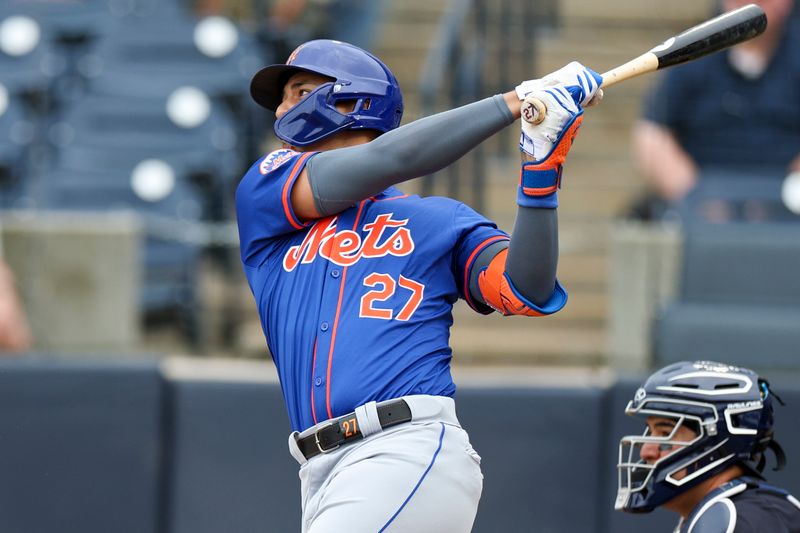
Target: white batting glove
(582,83)
(538,140)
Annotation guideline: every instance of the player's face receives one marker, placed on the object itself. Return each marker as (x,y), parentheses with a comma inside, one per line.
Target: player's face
(664,428)
(296,88)
(302,83)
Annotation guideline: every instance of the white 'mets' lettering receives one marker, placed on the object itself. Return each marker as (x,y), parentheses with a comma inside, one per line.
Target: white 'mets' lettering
(384,236)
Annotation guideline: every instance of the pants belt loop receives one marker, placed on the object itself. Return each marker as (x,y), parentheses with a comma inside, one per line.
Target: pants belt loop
(368,422)
(294,450)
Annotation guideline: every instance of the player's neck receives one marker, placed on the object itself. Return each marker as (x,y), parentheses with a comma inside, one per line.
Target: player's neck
(686,502)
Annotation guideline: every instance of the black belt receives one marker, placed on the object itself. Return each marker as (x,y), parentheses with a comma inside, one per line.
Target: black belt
(345,429)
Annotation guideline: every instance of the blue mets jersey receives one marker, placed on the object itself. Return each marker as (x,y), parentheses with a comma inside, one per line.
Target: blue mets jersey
(355,307)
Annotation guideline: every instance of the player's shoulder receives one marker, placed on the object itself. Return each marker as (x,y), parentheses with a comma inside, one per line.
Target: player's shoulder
(719,516)
(743,507)
(716,513)
(766,508)
(270,171)
(276,160)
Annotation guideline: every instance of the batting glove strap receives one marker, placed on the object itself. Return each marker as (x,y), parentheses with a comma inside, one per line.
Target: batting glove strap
(540,180)
(538,186)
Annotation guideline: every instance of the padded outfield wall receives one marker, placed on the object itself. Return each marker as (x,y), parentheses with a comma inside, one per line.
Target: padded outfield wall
(137,446)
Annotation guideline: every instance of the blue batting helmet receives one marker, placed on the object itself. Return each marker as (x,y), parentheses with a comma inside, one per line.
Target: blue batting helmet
(729,411)
(356,77)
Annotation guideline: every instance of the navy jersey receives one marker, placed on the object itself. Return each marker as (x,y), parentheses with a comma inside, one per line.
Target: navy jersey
(744,505)
(356,307)
(723,119)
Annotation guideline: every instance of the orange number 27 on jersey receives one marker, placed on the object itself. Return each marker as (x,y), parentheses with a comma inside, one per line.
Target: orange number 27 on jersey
(384,286)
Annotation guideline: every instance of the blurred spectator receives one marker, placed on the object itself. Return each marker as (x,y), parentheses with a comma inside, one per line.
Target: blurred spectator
(737,111)
(15,335)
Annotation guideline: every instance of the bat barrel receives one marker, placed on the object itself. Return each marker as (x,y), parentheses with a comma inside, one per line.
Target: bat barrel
(716,34)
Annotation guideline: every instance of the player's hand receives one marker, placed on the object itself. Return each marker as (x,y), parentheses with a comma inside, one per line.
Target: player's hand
(545,146)
(539,140)
(581,82)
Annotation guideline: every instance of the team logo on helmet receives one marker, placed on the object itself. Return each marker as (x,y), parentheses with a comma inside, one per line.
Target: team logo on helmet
(293,55)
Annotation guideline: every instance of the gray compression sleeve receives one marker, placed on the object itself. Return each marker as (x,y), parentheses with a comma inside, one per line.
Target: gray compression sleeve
(343,177)
(532,255)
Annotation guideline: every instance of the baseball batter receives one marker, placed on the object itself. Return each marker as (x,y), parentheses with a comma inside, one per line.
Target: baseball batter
(355,281)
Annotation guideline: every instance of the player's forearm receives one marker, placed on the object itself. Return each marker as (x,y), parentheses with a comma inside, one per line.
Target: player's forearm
(663,162)
(533,253)
(341,178)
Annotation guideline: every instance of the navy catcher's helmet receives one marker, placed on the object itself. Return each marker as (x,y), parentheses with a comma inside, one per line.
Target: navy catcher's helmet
(728,408)
(357,76)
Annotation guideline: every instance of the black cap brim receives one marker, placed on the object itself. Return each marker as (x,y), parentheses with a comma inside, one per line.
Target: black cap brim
(266,87)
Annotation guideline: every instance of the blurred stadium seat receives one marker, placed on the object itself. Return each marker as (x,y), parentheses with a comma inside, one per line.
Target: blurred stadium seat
(739,281)
(98,88)
(154,56)
(16,134)
(28,61)
(105,131)
(110,121)
(63,20)
(757,336)
(739,294)
(742,263)
(725,195)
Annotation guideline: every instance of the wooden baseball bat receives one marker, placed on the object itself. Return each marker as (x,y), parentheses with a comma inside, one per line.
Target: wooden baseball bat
(711,36)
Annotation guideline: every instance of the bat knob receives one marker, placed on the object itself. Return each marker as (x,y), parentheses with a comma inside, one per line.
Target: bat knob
(533,110)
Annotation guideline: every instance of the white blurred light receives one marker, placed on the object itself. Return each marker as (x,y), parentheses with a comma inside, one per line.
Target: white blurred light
(188,107)
(215,36)
(790,192)
(19,35)
(3,99)
(152,180)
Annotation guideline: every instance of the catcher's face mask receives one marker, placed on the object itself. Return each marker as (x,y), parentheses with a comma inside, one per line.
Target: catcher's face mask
(640,457)
(703,417)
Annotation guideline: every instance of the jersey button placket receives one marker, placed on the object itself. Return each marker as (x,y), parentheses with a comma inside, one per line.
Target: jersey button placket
(329,303)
